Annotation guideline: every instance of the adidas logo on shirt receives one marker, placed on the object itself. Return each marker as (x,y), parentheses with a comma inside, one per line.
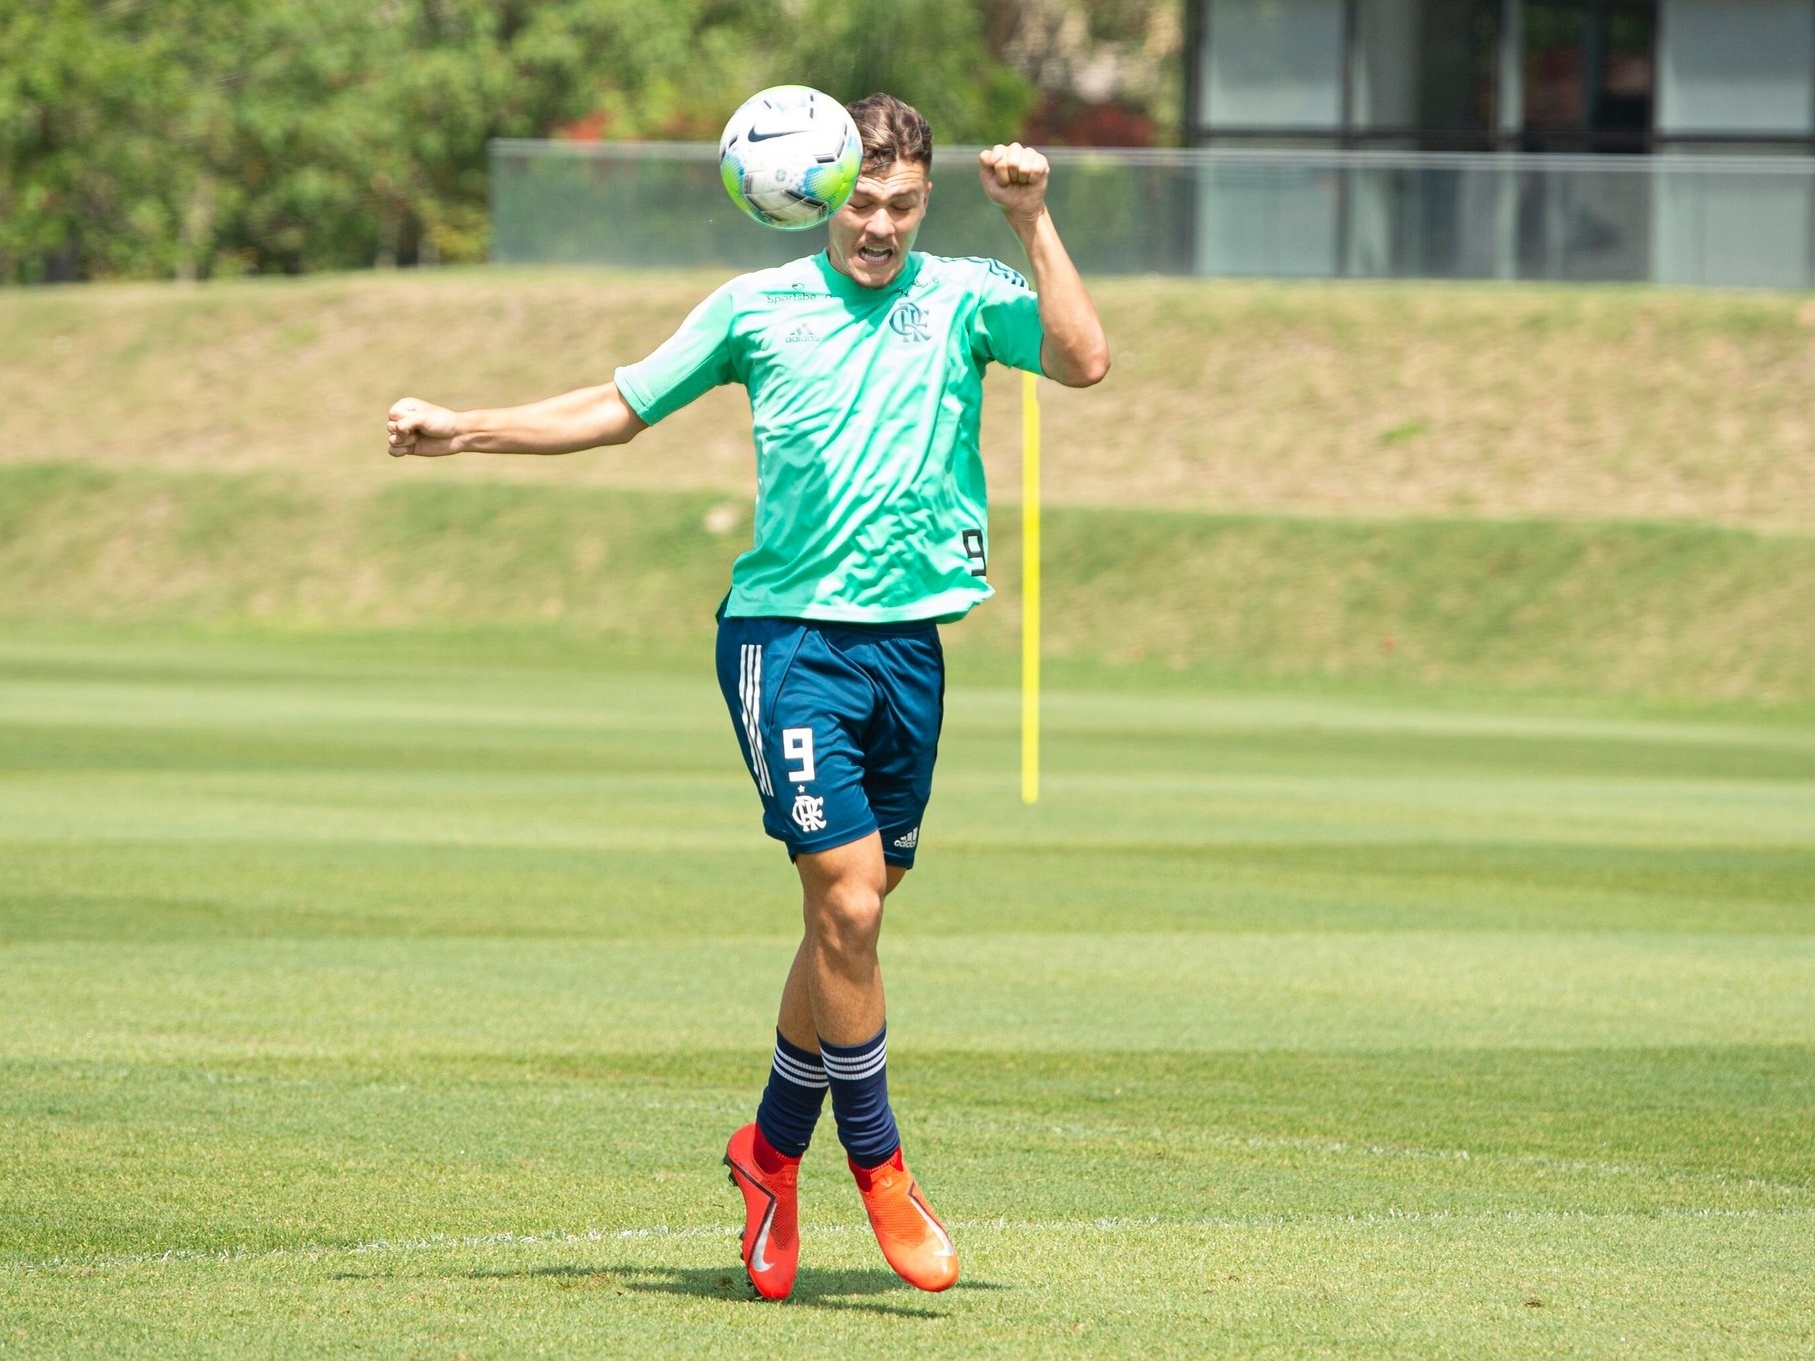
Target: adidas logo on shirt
(908,841)
(799,335)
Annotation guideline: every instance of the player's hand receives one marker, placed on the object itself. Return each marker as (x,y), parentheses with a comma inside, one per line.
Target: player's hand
(421,428)
(1014,176)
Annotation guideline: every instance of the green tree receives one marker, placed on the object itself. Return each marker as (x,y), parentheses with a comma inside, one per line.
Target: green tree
(195,138)
(931,53)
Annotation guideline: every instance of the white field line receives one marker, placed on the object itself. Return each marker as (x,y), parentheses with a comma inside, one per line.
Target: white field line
(1106,1225)
(1317,1143)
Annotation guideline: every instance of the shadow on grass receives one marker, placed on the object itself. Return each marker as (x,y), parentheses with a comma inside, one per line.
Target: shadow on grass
(814,1288)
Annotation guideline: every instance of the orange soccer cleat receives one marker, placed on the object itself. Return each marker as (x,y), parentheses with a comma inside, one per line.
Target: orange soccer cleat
(909,1233)
(771,1214)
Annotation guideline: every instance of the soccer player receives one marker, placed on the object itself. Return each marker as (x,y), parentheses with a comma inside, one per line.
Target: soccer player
(864,366)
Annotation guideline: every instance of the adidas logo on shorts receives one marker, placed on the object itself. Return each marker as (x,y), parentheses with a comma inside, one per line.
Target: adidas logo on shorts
(908,841)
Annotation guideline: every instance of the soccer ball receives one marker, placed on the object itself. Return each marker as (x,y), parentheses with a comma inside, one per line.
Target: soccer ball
(790,157)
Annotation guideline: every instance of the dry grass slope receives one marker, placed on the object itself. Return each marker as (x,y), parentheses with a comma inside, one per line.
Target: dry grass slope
(1313,399)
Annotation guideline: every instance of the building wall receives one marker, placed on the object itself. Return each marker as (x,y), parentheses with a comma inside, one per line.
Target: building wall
(1273,64)
(1709,77)
(1591,75)
(1736,67)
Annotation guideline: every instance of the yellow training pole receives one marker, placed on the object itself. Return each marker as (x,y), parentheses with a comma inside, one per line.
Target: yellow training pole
(1030,589)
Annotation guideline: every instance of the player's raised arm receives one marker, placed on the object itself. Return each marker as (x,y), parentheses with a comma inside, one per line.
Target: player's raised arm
(1075,351)
(583,419)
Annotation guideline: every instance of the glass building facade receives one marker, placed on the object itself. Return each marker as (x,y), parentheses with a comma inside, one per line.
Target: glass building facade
(1533,75)
(1671,79)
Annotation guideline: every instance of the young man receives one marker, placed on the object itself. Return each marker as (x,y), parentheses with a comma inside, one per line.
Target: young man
(864,366)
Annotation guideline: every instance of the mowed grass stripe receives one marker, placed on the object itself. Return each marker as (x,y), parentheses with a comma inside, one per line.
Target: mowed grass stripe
(84,889)
(704,812)
(450,755)
(375,683)
(1074,991)
(270,1155)
(1511,1286)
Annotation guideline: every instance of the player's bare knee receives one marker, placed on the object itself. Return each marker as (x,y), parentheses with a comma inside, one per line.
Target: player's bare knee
(847,917)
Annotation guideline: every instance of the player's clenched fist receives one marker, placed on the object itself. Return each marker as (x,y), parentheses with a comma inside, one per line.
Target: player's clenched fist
(421,428)
(1015,177)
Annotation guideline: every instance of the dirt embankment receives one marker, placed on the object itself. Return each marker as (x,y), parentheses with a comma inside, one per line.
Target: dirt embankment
(1362,400)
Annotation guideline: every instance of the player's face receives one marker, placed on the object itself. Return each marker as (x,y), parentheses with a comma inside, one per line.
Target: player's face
(873,233)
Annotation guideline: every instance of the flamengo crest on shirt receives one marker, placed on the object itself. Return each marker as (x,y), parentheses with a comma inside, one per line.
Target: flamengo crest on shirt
(809,813)
(910,322)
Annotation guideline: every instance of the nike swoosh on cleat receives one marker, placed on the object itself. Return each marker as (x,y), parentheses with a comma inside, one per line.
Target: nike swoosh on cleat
(762,1238)
(757,1263)
(947,1250)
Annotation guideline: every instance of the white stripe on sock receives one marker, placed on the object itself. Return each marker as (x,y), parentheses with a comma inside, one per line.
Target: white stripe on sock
(832,1060)
(855,1067)
(809,1065)
(792,1070)
(857,1074)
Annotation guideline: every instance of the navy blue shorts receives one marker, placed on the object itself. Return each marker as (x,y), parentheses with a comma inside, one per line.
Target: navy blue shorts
(839,724)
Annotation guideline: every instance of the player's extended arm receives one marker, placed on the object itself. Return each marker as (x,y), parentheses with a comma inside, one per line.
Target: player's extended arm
(1075,351)
(582,419)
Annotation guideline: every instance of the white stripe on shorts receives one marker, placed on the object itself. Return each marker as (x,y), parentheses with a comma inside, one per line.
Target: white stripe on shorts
(750,694)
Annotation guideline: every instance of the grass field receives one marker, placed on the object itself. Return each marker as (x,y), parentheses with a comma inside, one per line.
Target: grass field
(368,998)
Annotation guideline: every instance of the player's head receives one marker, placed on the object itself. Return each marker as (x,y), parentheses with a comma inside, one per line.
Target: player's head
(872,234)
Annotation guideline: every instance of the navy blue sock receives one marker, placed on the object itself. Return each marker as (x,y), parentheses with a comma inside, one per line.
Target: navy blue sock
(859,1077)
(792,1100)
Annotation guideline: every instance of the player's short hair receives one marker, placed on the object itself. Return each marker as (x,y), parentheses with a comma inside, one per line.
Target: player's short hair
(891,131)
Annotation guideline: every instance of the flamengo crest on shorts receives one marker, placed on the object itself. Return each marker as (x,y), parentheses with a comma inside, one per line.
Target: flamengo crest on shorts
(809,813)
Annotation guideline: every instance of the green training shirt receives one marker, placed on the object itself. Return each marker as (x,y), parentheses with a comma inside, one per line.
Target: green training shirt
(871,505)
